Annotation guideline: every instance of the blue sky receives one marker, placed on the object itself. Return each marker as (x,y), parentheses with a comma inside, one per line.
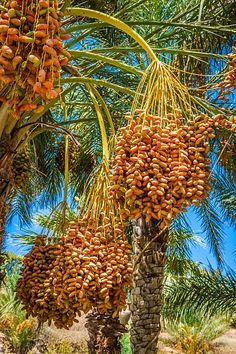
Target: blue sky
(200,253)
(203,254)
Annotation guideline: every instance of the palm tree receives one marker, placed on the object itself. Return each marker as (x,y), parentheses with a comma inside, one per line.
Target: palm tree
(205,24)
(148,272)
(15,135)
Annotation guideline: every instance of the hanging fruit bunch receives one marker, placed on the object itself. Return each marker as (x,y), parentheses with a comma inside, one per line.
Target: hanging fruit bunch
(161,162)
(74,153)
(221,122)
(227,142)
(229,81)
(34,287)
(21,169)
(31,54)
(158,171)
(103,266)
(87,268)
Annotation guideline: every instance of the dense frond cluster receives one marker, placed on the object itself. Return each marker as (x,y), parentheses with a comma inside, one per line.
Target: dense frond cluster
(208,291)
(224,192)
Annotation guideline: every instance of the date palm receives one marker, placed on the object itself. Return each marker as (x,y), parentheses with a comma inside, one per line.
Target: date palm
(111,60)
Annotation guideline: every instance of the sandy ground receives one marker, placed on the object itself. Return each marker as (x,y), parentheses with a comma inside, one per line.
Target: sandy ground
(77,332)
(225,344)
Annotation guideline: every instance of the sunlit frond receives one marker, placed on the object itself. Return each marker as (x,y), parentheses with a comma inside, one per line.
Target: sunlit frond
(211,292)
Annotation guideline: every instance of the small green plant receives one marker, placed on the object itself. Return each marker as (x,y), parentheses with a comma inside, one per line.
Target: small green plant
(125,344)
(194,330)
(20,333)
(191,341)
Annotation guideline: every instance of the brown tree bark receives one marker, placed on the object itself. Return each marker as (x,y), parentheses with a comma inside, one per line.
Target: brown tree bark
(147,285)
(104,333)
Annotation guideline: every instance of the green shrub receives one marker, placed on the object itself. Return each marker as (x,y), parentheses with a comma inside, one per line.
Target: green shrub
(20,333)
(64,347)
(194,330)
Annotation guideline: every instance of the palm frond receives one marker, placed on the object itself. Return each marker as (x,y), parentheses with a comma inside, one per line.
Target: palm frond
(211,227)
(211,292)
(8,298)
(55,222)
(52,224)
(224,191)
(24,240)
(21,207)
(180,242)
(179,251)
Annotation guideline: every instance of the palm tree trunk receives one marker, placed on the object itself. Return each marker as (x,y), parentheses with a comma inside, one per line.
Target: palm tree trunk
(104,333)
(147,285)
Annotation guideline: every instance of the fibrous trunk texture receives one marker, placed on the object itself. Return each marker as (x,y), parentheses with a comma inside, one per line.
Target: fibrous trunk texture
(6,158)
(147,285)
(104,333)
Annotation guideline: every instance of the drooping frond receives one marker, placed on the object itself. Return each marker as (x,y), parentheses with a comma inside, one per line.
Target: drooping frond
(179,251)
(22,241)
(211,292)
(211,227)
(55,222)
(52,224)
(224,192)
